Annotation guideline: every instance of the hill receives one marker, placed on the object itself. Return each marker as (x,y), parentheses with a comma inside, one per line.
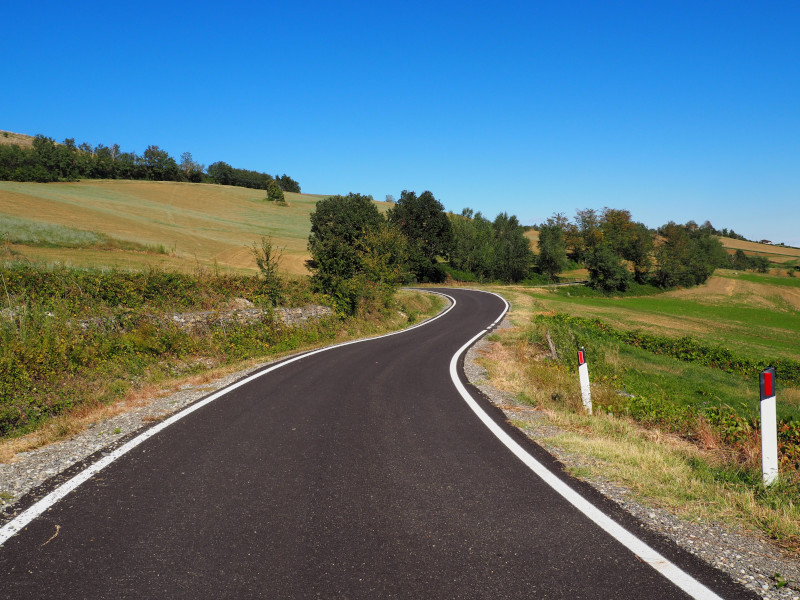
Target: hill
(775,254)
(135,224)
(21,140)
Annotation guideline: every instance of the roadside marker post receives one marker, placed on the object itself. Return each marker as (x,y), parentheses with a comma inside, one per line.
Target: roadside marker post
(583,373)
(769,427)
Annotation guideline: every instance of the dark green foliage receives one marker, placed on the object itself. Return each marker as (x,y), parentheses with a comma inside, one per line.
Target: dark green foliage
(686,256)
(70,336)
(422,220)
(287,184)
(473,246)
(513,255)
(552,249)
(47,161)
(606,271)
(159,165)
(274,192)
(356,258)
(741,261)
(490,251)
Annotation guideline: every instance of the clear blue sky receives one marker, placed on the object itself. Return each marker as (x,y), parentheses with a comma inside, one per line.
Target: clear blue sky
(672,110)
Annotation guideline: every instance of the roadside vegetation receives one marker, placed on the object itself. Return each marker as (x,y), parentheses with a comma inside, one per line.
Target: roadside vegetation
(676,405)
(75,340)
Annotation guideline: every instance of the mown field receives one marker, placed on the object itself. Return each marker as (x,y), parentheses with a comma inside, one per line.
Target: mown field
(776,254)
(175,226)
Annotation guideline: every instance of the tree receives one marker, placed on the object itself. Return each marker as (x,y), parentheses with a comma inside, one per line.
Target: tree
(274,192)
(423,221)
(221,173)
(512,256)
(268,258)
(552,257)
(585,234)
(639,251)
(159,165)
(287,184)
(606,271)
(339,224)
(473,248)
(687,255)
(191,170)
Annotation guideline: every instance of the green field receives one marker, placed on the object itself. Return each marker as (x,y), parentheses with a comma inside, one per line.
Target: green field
(163,224)
(758,315)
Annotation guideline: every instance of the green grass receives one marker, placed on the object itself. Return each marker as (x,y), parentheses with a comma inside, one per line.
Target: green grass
(768,279)
(49,235)
(755,331)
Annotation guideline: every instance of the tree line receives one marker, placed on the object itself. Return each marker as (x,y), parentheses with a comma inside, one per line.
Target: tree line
(47,161)
(616,250)
(359,256)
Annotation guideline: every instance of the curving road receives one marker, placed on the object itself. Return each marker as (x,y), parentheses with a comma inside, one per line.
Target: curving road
(357,472)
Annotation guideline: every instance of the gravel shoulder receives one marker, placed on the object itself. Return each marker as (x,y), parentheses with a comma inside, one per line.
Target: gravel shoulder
(750,560)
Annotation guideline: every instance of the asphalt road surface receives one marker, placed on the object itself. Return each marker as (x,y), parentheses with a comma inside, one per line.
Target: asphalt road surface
(358,472)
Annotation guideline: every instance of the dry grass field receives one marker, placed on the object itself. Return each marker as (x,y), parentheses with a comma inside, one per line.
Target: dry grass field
(197,224)
(533,236)
(9,138)
(776,254)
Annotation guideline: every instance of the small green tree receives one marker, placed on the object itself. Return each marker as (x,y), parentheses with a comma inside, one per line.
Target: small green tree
(275,193)
(268,258)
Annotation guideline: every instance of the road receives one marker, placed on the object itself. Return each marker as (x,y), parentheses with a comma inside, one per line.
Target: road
(357,472)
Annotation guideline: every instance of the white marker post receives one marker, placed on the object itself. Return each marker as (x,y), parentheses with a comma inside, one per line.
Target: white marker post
(583,373)
(769,427)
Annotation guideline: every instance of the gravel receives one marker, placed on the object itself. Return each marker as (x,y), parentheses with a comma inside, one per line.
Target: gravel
(750,560)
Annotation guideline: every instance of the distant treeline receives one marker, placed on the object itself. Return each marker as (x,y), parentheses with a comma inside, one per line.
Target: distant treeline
(706,226)
(47,161)
(617,250)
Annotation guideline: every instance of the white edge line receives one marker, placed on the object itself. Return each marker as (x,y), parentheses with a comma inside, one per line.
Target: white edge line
(23,519)
(672,572)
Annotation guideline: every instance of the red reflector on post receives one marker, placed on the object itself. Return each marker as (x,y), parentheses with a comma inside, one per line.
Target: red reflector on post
(767,381)
(581,358)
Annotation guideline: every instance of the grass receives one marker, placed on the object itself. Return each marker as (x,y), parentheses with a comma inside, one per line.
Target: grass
(680,435)
(200,224)
(18,139)
(749,312)
(20,231)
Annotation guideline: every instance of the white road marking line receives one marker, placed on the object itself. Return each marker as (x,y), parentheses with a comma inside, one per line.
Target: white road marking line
(22,520)
(672,572)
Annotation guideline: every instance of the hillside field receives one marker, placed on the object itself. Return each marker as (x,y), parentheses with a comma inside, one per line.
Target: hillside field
(175,226)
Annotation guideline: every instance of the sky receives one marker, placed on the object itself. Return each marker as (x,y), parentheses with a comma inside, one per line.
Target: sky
(675,111)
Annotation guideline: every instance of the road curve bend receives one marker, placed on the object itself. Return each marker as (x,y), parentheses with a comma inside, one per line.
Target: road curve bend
(357,472)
